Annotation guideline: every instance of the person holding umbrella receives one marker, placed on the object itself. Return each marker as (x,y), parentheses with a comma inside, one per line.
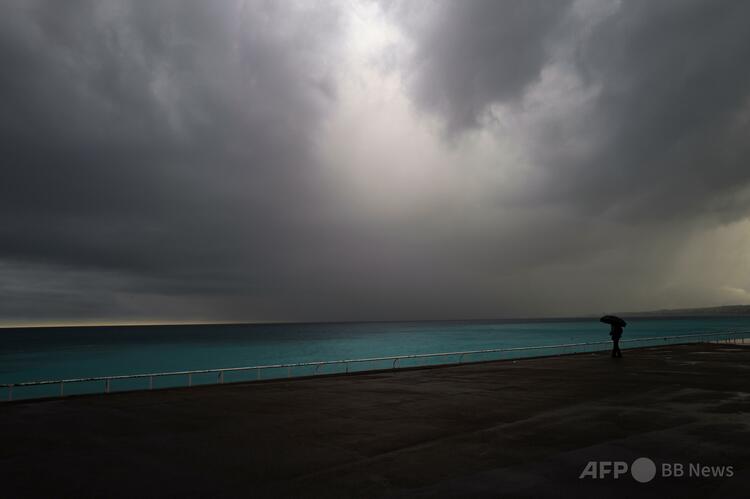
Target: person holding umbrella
(615,332)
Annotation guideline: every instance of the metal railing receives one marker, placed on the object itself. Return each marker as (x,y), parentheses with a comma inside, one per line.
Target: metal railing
(389,362)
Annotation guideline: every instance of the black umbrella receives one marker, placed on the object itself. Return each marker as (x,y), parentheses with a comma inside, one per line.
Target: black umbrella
(613,320)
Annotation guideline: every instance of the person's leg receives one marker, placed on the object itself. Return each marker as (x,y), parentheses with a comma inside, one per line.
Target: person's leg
(614,348)
(617,348)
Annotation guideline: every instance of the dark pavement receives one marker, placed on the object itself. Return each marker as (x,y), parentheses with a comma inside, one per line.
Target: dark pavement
(523,428)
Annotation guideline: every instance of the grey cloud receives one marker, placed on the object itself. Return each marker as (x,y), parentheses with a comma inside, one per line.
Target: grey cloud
(166,140)
(666,129)
(674,91)
(161,159)
(650,150)
(470,55)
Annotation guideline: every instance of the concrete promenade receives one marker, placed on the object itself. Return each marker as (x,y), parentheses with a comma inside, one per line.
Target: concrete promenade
(523,428)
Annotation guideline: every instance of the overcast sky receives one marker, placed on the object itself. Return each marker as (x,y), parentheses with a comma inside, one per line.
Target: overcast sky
(299,160)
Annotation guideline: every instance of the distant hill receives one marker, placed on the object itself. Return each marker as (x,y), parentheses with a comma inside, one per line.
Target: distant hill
(691,312)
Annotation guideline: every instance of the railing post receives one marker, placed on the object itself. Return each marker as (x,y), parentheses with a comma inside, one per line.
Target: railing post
(150,382)
(258,370)
(221,377)
(62,388)
(347,368)
(461,358)
(289,372)
(190,379)
(106,385)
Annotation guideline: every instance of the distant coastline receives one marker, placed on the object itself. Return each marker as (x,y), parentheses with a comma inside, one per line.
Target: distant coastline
(724,310)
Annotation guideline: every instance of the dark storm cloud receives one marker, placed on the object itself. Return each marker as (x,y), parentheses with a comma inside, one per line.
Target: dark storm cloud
(633,118)
(219,160)
(472,54)
(165,141)
(666,132)
(671,116)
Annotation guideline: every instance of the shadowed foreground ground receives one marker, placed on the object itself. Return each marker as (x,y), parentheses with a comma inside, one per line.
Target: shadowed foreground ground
(503,429)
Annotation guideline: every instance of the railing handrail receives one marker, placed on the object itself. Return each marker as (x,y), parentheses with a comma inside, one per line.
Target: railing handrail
(354,361)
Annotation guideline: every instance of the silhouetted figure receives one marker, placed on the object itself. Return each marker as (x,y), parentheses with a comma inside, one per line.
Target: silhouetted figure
(616,333)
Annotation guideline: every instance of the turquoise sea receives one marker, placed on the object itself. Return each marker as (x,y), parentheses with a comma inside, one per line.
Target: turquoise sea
(75,352)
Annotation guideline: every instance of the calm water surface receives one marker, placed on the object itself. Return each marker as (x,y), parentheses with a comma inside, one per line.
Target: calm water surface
(58,353)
